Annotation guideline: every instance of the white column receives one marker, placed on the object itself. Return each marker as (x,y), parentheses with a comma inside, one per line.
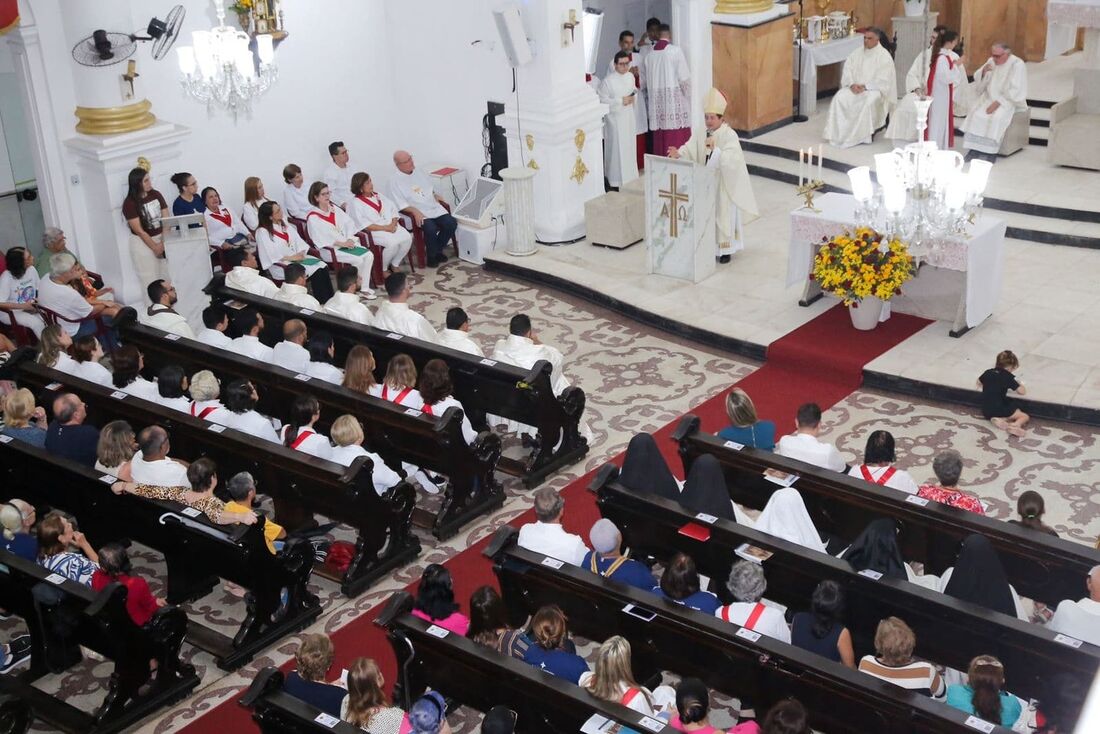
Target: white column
(519,209)
(103,164)
(912,41)
(554,124)
(691,32)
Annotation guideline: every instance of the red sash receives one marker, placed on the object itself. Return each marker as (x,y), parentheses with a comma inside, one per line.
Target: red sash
(400,396)
(301,437)
(950,99)
(881,481)
(630,695)
(226,218)
(331,218)
(284,236)
(754,616)
(428,409)
(376,207)
(204,412)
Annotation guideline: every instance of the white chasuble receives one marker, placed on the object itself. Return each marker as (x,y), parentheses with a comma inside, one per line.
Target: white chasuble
(735,202)
(1005,83)
(853,118)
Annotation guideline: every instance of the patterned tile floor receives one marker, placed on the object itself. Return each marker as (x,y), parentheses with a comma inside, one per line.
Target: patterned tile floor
(637,379)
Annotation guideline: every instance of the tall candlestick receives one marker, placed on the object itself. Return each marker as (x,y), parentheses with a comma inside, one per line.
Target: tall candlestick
(801,167)
(819,163)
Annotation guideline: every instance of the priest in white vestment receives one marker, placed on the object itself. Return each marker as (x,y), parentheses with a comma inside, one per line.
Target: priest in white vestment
(999,90)
(244,274)
(456,335)
(717,147)
(868,93)
(396,316)
(636,67)
(667,82)
(160,314)
(620,145)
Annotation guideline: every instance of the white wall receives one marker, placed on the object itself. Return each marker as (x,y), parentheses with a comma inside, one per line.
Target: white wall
(621,15)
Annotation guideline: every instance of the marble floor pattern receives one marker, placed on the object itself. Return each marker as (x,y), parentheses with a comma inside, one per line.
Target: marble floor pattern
(637,379)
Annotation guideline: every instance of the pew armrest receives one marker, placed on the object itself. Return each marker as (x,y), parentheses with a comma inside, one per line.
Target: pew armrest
(268,680)
(400,603)
(504,538)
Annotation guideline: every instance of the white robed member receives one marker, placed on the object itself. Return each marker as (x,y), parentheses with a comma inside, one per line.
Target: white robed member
(903,120)
(334,229)
(667,82)
(943,78)
(867,95)
(620,152)
(372,211)
(400,319)
(636,67)
(718,147)
(1000,88)
(459,340)
(282,245)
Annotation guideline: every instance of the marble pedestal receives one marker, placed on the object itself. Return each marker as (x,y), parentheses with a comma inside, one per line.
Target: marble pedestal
(615,220)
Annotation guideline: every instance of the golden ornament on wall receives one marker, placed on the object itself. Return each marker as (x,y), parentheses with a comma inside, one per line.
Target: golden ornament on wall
(144,164)
(530,141)
(532,165)
(578,140)
(579,170)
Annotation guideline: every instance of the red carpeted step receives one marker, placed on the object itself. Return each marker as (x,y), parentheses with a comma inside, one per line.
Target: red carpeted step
(821,361)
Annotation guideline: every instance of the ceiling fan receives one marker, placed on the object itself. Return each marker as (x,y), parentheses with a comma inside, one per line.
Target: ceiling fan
(105,48)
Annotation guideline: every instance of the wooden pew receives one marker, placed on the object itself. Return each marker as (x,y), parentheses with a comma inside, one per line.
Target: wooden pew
(277,712)
(62,615)
(196,551)
(482,678)
(481,385)
(666,636)
(300,484)
(949,631)
(434,443)
(1040,566)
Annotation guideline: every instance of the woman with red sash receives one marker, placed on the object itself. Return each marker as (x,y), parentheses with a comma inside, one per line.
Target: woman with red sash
(331,228)
(945,73)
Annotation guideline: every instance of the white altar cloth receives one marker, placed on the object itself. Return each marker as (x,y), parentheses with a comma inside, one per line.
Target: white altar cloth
(821,53)
(978,254)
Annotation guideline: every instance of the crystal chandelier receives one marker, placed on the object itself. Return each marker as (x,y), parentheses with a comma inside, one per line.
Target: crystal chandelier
(219,68)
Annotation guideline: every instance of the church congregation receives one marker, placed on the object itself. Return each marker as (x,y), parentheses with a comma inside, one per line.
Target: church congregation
(337,455)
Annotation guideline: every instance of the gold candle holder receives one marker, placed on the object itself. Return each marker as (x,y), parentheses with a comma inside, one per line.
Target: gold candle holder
(806,191)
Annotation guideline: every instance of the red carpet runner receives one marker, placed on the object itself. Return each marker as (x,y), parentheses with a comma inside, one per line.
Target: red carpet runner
(821,361)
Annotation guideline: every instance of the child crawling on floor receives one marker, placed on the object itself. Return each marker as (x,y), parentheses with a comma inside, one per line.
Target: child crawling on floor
(995,383)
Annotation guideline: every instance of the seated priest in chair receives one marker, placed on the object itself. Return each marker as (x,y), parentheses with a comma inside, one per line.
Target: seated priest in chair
(867,95)
(999,90)
(717,146)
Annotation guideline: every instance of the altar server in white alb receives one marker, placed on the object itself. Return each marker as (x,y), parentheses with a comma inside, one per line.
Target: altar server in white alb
(717,147)
(903,120)
(635,64)
(868,93)
(377,214)
(620,145)
(667,81)
(1000,89)
(332,230)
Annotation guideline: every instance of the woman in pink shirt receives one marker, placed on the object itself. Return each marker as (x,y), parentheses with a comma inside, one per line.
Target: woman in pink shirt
(693,706)
(435,601)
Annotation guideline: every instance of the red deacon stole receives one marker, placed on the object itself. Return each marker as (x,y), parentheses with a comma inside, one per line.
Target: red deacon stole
(330,218)
(950,99)
(376,207)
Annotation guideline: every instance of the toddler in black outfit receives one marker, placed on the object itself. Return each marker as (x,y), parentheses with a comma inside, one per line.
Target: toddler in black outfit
(995,383)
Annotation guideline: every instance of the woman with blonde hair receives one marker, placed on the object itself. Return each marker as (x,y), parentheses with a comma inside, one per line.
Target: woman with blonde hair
(115,449)
(745,428)
(254,198)
(17,537)
(23,420)
(347,434)
(53,348)
(366,705)
(307,681)
(613,680)
(399,385)
(359,371)
(982,695)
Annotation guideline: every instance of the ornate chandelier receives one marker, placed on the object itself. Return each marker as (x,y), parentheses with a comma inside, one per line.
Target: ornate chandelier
(219,67)
(924,195)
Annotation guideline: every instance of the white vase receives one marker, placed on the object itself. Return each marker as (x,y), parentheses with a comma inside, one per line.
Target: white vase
(866,314)
(914,8)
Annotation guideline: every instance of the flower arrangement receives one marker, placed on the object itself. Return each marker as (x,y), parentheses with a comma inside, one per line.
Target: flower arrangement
(241,7)
(853,267)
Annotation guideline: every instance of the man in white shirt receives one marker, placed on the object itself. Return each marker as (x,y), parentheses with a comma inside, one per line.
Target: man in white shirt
(412,191)
(804,444)
(1081,619)
(215,319)
(457,334)
(250,323)
(151,464)
(244,274)
(293,289)
(57,295)
(547,536)
(338,174)
(396,316)
(291,353)
(345,303)
(522,348)
(161,315)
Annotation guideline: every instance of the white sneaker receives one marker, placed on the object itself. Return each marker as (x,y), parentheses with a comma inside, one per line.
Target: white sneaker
(426,484)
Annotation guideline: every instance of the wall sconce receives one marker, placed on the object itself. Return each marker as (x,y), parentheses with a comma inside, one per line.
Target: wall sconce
(569,25)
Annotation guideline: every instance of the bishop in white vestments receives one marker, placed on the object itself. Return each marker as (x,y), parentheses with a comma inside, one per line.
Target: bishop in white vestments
(1000,89)
(717,147)
(868,93)
(620,151)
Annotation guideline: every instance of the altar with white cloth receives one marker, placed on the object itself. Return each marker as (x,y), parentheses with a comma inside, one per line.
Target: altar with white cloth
(958,280)
(820,53)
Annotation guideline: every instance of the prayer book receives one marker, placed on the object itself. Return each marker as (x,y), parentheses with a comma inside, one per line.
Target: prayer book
(752,553)
(782,478)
